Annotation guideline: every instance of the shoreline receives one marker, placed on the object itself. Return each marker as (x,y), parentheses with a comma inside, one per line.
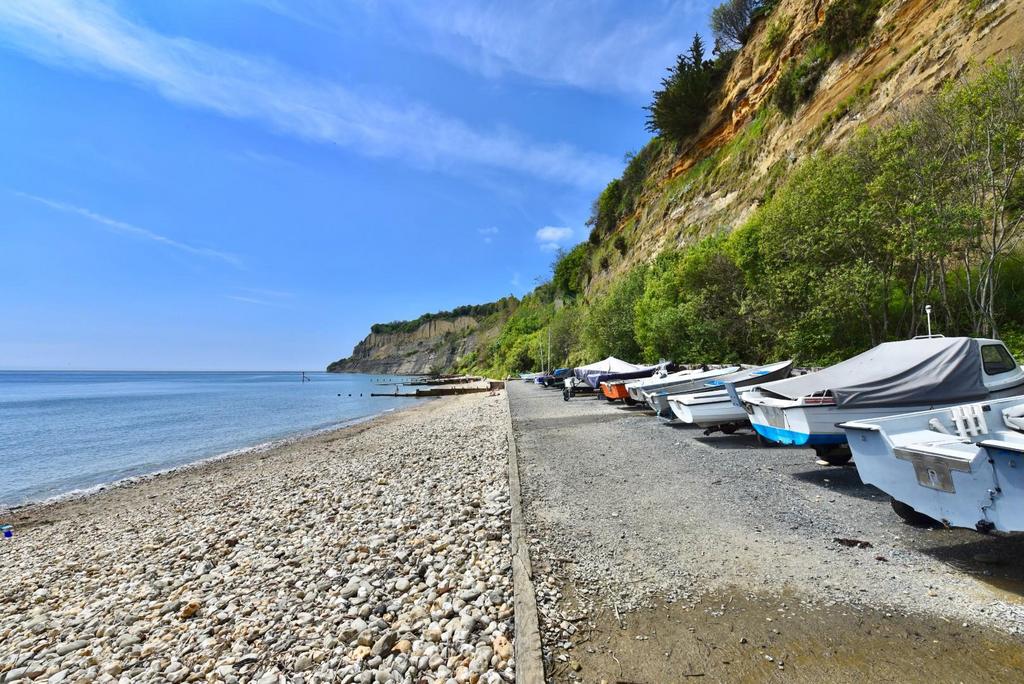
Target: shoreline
(372,552)
(24,515)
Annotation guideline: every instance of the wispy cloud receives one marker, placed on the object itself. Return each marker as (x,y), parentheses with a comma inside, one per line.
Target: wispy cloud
(116,226)
(93,37)
(488,234)
(264,292)
(249,300)
(262,296)
(595,45)
(553,237)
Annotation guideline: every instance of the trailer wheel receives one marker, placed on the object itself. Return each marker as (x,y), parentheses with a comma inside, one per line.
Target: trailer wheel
(630,401)
(566,394)
(910,516)
(833,455)
(727,429)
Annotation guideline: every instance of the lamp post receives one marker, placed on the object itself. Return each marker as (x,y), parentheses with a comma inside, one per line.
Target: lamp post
(928,313)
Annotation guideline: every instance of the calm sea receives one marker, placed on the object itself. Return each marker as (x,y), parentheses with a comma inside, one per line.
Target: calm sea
(63,432)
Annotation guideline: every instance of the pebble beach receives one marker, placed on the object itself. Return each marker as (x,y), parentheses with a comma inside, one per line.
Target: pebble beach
(376,553)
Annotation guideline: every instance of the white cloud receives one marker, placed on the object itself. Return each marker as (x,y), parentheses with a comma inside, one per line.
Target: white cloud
(596,45)
(94,38)
(553,237)
(488,234)
(270,300)
(124,228)
(249,300)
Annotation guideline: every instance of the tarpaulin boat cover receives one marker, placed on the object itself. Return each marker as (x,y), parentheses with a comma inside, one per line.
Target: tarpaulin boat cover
(926,371)
(750,376)
(610,365)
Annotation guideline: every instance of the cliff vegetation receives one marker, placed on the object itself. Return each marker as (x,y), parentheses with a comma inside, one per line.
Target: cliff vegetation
(832,168)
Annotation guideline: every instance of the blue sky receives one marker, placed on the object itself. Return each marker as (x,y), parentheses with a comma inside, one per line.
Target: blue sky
(250,184)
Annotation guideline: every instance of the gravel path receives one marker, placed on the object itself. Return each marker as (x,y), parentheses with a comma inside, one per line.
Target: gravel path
(374,554)
(632,511)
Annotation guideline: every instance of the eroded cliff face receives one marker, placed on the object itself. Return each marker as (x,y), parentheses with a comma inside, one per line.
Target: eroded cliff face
(717,180)
(435,345)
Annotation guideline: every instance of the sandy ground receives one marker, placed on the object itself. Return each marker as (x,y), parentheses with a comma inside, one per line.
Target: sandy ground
(663,555)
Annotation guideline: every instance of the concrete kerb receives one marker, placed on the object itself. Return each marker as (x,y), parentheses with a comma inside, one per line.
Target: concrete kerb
(529,658)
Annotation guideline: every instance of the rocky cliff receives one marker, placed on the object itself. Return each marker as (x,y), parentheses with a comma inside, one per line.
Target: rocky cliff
(747,146)
(440,342)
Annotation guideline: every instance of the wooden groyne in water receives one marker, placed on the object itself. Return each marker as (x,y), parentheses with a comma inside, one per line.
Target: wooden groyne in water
(464,387)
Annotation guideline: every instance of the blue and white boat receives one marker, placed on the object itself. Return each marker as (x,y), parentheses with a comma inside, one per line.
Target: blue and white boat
(894,377)
(962,466)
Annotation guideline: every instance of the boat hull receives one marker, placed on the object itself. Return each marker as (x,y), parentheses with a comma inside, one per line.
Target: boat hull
(813,425)
(614,391)
(707,411)
(972,484)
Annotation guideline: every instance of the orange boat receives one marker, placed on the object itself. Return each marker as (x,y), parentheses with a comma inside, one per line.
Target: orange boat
(615,390)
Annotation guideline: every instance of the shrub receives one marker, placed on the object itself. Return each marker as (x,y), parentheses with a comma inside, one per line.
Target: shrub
(775,35)
(620,244)
(569,268)
(799,80)
(638,167)
(604,214)
(847,22)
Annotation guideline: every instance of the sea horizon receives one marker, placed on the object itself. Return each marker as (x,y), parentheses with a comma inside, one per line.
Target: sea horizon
(65,433)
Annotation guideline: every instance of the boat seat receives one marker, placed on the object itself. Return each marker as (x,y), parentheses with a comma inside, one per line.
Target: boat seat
(1013,417)
(968,420)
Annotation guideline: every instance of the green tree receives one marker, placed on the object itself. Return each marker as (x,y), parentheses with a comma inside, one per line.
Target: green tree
(682,104)
(569,270)
(608,324)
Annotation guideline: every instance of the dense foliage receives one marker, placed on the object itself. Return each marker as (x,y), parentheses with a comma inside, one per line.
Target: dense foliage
(474,310)
(842,256)
(570,269)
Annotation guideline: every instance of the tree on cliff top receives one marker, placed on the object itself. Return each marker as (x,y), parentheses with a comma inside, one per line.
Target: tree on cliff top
(730,22)
(681,105)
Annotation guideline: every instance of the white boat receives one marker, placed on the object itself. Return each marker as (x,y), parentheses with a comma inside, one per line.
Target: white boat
(706,409)
(960,465)
(637,388)
(656,396)
(892,378)
(530,377)
(718,407)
